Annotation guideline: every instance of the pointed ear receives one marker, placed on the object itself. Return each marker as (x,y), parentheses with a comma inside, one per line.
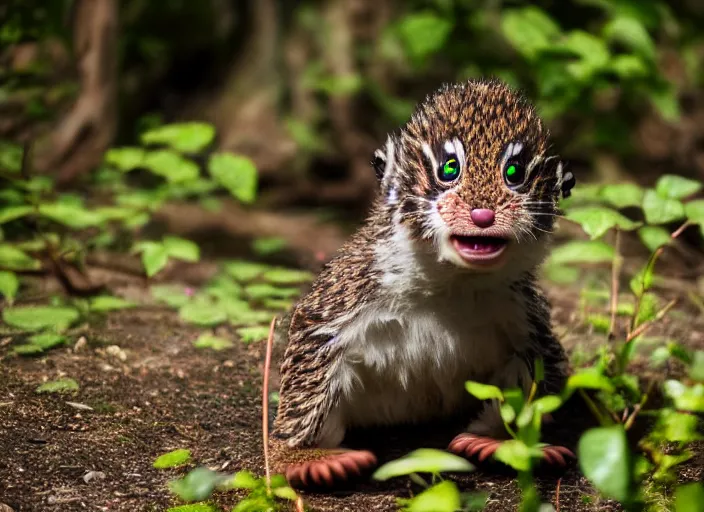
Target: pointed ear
(379,163)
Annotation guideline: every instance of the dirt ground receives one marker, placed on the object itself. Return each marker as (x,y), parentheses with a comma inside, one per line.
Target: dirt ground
(158,393)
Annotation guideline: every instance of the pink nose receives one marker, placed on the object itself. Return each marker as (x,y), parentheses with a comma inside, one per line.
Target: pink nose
(482,217)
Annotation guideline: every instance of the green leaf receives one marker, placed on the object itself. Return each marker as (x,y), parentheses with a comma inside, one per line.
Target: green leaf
(671,186)
(424,460)
(666,102)
(689,497)
(154,257)
(181,249)
(547,404)
(648,308)
(660,210)
(125,159)
(694,210)
(206,340)
(287,276)
(629,66)
(35,318)
(9,284)
(654,237)
(65,385)
(529,30)
(253,334)
(184,137)
(632,33)
(28,349)
(286,493)
(643,280)
(223,287)
(9,213)
(606,461)
(622,195)
(593,54)
(171,166)
(203,314)
(516,454)
(442,497)
(597,220)
(237,174)
(508,413)
(268,246)
(243,480)
(10,157)
(561,274)
(108,303)
(172,294)
(423,33)
(266,291)
(194,507)
(696,369)
(686,398)
(245,270)
(197,485)
(678,426)
(589,378)
(72,215)
(173,459)
(47,340)
(580,251)
(483,391)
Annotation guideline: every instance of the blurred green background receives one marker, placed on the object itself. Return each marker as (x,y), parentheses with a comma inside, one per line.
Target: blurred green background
(307,89)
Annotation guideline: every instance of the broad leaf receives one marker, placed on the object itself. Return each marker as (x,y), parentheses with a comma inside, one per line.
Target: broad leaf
(287,276)
(654,237)
(529,30)
(35,318)
(442,497)
(253,334)
(622,195)
(694,210)
(194,507)
(206,340)
(203,314)
(9,213)
(173,459)
(108,303)
(181,249)
(65,385)
(424,460)
(686,398)
(197,485)
(689,497)
(547,404)
(423,33)
(237,174)
(9,284)
(171,166)
(184,137)
(516,454)
(483,391)
(265,291)
(267,246)
(125,159)
(606,461)
(72,215)
(597,220)
(589,378)
(676,187)
(661,210)
(154,257)
(47,340)
(245,270)
(172,294)
(579,251)
(632,33)
(243,480)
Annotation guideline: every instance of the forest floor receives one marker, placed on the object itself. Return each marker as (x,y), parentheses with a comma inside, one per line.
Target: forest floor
(150,391)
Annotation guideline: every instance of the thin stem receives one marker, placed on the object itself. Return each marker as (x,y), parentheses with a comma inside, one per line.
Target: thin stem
(594,409)
(647,325)
(637,408)
(680,229)
(265,403)
(615,272)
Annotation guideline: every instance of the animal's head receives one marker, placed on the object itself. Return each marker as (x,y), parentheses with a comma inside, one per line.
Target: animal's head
(471,174)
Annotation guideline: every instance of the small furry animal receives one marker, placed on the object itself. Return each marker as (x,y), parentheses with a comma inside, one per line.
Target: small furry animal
(436,288)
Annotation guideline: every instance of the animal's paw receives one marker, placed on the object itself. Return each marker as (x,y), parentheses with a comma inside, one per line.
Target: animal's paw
(480,448)
(330,470)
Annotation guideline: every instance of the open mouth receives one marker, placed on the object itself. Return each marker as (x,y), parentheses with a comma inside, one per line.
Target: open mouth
(479,249)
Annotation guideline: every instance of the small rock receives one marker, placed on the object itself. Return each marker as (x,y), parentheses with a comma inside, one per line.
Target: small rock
(80,344)
(93,475)
(79,406)
(115,351)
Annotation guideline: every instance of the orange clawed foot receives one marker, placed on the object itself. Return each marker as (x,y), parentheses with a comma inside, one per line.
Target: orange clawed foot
(330,470)
(481,448)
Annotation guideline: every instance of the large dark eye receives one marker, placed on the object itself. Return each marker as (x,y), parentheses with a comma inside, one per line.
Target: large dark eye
(450,170)
(514,174)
